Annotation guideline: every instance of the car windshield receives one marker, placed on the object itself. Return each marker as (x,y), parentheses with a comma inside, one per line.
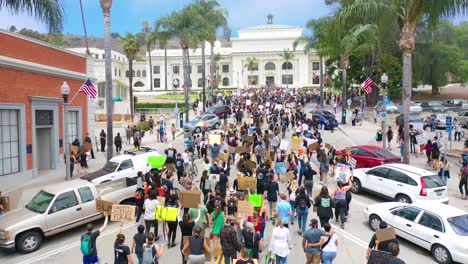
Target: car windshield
(435,104)
(111,166)
(196,119)
(40,202)
(210,110)
(433,181)
(459,224)
(384,154)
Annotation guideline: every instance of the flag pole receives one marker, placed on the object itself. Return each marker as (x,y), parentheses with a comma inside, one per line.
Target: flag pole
(73,98)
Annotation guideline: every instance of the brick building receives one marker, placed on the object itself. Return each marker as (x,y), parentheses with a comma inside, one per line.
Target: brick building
(31,105)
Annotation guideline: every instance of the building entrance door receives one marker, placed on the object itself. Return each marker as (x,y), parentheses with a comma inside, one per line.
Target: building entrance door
(44,149)
(270,81)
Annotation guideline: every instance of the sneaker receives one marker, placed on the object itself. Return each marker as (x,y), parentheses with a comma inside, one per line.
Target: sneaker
(342,226)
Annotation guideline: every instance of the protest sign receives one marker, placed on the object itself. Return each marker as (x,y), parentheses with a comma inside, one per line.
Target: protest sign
(88,146)
(421,139)
(224,128)
(245,208)
(223,156)
(74,149)
(249,121)
(295,145)
(278,106)
(313,146)
(342,172)
(104,206)
(251,164)
(248,139)
(169,166)
(352,163)
(385,234)
(256,199)
(246,183)
(232,125)
(418,126)
(232,149)
(248,102)
(240,149)
(214,139)
(190,199)
(123,212)
(290,175)
(327,146)
(156,162)
(379,257)
(284,145)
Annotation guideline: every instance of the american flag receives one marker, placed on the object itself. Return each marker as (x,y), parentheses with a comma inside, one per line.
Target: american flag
(325,78)
(184,86)
(89,89)
(367,85)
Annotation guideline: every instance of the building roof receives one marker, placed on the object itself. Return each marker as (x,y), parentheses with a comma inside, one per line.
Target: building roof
(270,27)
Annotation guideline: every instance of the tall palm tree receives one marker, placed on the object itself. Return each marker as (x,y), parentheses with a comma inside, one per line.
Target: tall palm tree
(84,26)
(49,12)
(182,25)
(287,55)
(150,40)
(130,48)
(163,38)
(408,14)
(251,63)
(106,6)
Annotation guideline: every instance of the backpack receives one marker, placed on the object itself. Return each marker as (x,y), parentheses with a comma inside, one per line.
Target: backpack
(86,244)
(301,202)
(148,256)
(161,128)
(232,205)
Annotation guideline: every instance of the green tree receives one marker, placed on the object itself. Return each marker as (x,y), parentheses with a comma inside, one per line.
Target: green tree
(130,47)
(106,6)
(49,12)
(407,13)
(287,55)
(251,63)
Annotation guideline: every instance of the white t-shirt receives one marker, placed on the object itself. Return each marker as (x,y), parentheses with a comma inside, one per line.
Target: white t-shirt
(185,157)
(305,127)
(150,208)
(331,246)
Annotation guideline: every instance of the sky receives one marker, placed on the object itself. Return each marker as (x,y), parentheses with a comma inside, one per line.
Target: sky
(127,15)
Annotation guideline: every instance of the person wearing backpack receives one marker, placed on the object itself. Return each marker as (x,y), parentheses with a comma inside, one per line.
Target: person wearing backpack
(323,202)
(151,251)
(88,242)
(138,240)
(302,208)
(231,203)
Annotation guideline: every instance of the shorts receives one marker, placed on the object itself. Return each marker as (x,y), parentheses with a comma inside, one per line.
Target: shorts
(186,164)
(90,259)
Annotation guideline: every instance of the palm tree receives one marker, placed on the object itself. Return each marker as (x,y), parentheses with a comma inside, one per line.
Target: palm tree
(408,14)
(84,26)
(150,40)
(130,48)
(163,38)
(251,63)
(49,12)
(106,6)
(287,56)
(182,25)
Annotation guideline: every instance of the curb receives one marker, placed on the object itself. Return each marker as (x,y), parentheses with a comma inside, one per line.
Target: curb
(342,131)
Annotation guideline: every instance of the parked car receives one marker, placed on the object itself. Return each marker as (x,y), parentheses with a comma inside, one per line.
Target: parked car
(121,166)
(389,108)
(202,123)
(370,156)
(219,110)
(454,102)
(330,117)
(414,108)
(413,117)
(437,227)
(400,182)
(463,118)
(433,106)
(439,120)
(59,207)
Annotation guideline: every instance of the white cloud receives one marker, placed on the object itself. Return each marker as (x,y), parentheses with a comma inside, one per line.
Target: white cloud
(20,21)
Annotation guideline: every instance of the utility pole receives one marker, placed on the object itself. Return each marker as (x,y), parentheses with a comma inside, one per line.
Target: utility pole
(384,80)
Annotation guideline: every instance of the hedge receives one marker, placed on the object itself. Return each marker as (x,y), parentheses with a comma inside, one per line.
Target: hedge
(159,105)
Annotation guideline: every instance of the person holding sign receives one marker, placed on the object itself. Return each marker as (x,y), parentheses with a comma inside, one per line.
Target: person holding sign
(375,244)
(88,242)
(339,195)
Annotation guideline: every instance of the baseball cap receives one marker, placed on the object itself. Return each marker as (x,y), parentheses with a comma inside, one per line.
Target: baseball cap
(313,222)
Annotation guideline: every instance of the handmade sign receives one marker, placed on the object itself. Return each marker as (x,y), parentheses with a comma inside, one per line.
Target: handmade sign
(248,139)
(421,139)
(348,150)
(190,199)
(256,199)
(290,175)
(240,149)
(223,156)
(352,163)
(295,145)
(248,102)
(246,183)
(379,257)
(245,208)
(278,106)
(232,149)
(169,166)
(418,126)
(314,146)
(156,162)
(123,212)
(224,128)
(74,149)
(284,145)
(385,234)
(166,213)
(104,206)
(327,146)
(88,146)
(342,172)
(309,115)
(214,139)
(252,165)
(249,121)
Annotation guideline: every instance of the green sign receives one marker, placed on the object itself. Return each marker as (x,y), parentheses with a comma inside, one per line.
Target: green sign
(156,162)
(256,199)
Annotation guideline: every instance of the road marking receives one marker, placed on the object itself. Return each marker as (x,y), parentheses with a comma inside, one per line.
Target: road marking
(349,236)
(58,250)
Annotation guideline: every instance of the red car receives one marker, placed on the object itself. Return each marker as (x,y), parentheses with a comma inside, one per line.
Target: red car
(219,110)
(371,156)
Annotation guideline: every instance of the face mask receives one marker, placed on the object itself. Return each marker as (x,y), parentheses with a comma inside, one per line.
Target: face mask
(233,223)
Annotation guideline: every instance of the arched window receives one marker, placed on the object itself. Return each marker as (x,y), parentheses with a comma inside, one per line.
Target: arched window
(138,73)
(127,73)
(287,66)
(143,73)
(225,81)
(270,66)
(200,82)
(139,84)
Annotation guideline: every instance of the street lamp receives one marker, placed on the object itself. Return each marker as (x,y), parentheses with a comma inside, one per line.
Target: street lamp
(65,90)
(175,85)
(384,80)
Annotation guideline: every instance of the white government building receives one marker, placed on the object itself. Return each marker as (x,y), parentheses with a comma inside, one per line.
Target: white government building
(264,42)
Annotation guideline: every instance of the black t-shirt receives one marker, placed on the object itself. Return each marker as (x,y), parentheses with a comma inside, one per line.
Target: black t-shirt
(121,253)
(92,242)
(223,180)
(140,239)
(383,245)
(179,163)
(394,260)
(218,200)
(272,191)
(167,185)
(186,229)
(309,174)
(171,155)
(250,239)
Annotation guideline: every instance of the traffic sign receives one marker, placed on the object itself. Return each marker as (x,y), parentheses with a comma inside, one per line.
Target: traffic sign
(383,115)
(348,101)
(448,124)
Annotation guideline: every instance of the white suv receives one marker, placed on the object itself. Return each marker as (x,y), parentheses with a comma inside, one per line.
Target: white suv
(400,182)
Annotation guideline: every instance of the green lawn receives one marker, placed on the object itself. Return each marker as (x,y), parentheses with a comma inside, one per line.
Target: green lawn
(179,96)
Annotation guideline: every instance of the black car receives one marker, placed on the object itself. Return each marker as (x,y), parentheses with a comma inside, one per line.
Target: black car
(414,118)
(330,117)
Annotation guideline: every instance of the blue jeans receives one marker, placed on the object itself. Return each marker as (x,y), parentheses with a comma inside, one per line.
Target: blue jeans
(281,260)
(90,259)
(328,257)
(262,232)
(302,218)
(139,257)
(293,209)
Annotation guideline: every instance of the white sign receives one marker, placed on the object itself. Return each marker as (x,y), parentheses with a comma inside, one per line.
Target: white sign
(248,102)
(284,145)
(352,163)
(421,139)
(342,172)
(418,126)
(278,106)
(267,104)
(260,107)
(348,101)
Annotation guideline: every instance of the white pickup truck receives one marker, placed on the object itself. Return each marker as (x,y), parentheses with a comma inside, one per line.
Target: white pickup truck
(57,208)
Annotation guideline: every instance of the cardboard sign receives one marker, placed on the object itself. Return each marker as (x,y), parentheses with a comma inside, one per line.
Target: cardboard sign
(245,208)
(161,200)
(295,145)
(249,121)
(256,199)
(214,139)
(352,163)
(252,165)
(123,212)
(169,166)
(232,125)
(223,156)
(156,162)
(290,175)
(88,146)
(224,128)
(314,146)
(240,149)
(348,150)
(246,183)
(248,139)
(284,145)
(74,149)
(309,115)
(342,172)
(385,234)
(327,146)
(104,206)
(379,257)
(231,150)
(190,199)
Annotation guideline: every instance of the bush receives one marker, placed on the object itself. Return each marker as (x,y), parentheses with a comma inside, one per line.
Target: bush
(159,105)
(135,100)
(143,125)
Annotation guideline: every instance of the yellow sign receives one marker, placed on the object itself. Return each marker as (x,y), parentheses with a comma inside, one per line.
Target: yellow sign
(214,139)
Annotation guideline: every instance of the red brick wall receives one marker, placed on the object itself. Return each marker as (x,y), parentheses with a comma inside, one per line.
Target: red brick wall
(16,87)
(21,49)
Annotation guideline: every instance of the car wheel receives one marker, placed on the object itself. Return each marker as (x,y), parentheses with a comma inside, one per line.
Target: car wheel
(29,241)
(357,188)
(374,222)
(197,130)
(217,126)
(441,254)
(403,198)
